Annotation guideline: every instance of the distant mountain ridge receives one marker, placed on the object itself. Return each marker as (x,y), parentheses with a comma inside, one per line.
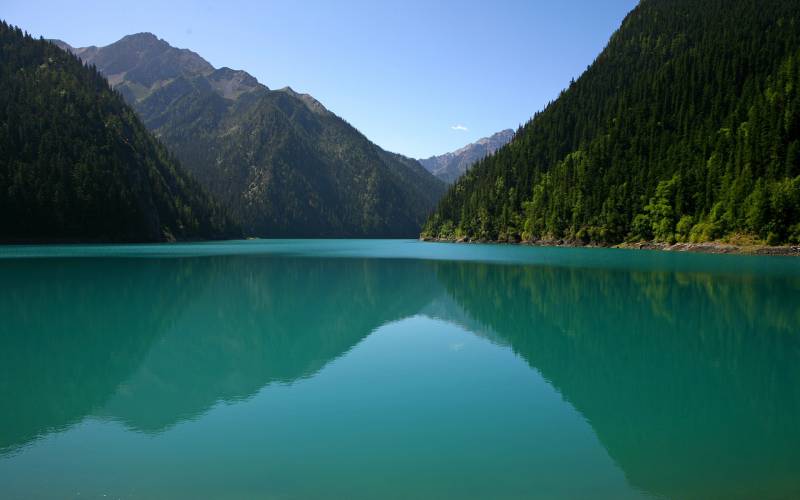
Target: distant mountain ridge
(284,164)
(139,65)
(450,166)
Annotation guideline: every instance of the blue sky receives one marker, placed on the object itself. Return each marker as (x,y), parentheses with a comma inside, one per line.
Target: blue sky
(416,77)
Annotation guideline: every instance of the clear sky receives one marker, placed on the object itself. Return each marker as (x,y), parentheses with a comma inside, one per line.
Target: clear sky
(418,77)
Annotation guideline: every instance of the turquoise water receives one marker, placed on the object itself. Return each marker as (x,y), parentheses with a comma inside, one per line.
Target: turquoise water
(396,369)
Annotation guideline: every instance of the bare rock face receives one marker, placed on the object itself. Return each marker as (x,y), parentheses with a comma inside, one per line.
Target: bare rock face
(450,166)
(231,84)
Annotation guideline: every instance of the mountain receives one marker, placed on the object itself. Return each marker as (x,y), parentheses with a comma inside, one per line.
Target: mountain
(77,164)
(283,163)
(686,127)
(450,166)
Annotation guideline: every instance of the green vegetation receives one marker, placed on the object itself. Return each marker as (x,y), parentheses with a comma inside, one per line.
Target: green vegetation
(283,164)
(286,170)
(685,128)
(76,163)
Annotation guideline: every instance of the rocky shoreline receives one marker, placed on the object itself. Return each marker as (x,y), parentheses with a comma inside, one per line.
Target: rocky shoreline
(716,247)
(709,247)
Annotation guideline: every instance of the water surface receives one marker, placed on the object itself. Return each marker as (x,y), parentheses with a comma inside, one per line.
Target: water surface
(396,369)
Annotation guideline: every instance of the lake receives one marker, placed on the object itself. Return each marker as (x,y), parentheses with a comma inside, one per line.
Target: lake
(396,369)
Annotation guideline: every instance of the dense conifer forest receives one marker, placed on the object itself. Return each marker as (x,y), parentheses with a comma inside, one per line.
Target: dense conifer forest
(77,164)
(685,128)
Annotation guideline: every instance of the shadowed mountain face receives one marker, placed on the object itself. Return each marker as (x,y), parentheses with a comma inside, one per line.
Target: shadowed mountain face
(450,166)
(690,380)
(284,164)
(76,164)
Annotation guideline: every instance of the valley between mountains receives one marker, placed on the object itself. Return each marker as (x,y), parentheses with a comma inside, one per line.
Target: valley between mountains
(283,164)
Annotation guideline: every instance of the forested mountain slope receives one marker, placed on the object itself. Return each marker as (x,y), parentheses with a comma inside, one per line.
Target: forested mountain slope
(686,127)
(76,164)
(284,164)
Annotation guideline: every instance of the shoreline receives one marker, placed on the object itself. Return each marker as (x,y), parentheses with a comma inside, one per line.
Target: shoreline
(713,247)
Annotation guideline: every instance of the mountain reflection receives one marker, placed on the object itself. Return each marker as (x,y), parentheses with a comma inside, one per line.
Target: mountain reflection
(260,321)
(691,381)
(151,342)
(74,329)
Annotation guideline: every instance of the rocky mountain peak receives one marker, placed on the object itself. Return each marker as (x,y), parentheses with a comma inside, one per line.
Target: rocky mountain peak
(312,104)
(143,38)
(451,166)
(231,83)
